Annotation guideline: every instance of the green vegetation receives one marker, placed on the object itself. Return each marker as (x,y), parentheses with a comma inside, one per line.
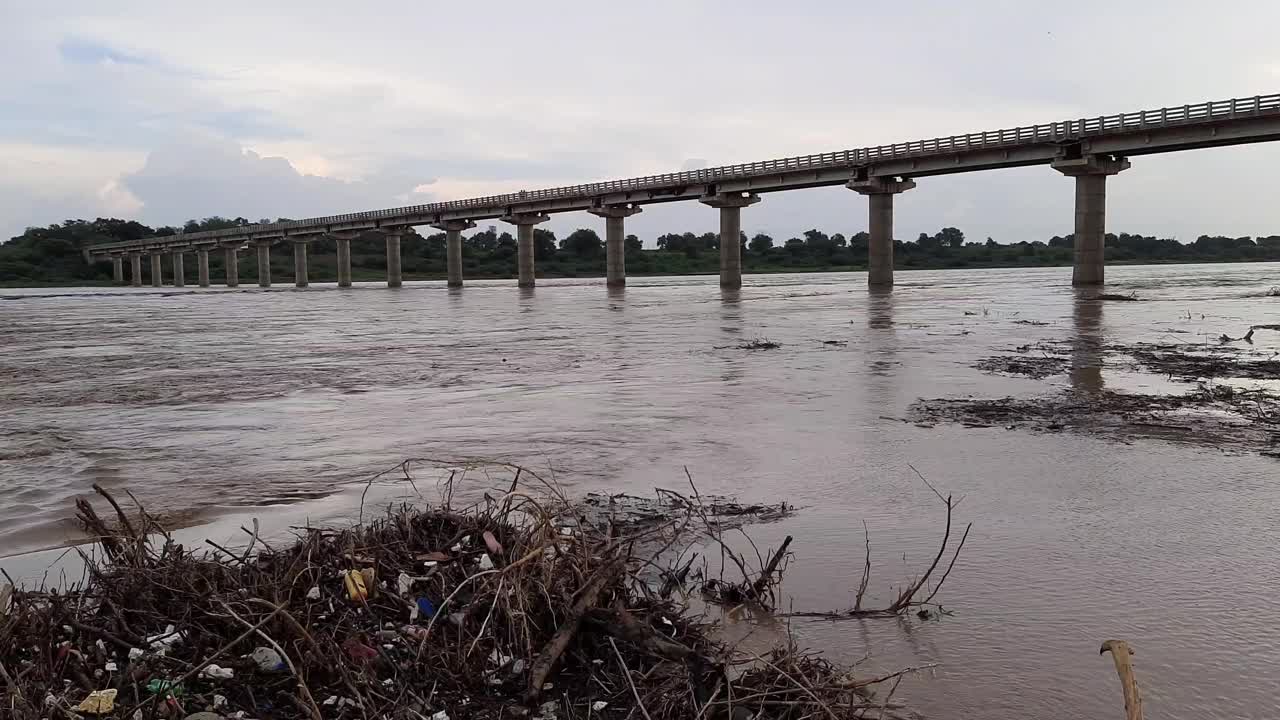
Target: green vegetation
(54,255)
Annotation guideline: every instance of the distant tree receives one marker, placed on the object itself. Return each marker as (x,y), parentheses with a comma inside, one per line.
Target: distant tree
(817,241)
(858,242)
(433,245)
(990,243)
(951,237)
(761,243)
(583,243)
(671,242)
(483,241)
(838,240)
(632,244)
(544,243)
(928,242)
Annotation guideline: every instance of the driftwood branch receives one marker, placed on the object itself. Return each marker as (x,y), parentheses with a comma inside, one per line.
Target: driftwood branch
(1122,654)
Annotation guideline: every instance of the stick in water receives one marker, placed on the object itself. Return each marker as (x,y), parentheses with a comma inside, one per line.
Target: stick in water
(1121,653)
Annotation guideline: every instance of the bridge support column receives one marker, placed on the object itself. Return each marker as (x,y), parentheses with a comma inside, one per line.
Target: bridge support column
(300,263)
(202,266)
(264,263)
(615,251)
(344,260)
(880,192)
(179,279)
(135,268)
(233,267)
(394,275)
(730,205)
(524,223)
(453,247)
(157,273)
(1091,173)
(117,269)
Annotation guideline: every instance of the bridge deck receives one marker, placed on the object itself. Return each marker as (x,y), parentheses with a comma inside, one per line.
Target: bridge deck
(1208,124)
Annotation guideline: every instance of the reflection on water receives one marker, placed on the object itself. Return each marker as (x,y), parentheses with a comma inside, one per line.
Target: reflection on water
(1086,343)
(204,402)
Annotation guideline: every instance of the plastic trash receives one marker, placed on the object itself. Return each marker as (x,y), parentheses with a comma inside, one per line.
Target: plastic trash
(314,593)
(492,543)
(415,632)
(354,581)
(425,607)
(135,653)
(599,705)
(217,672)
(517,667)
(358,651)
(486,562)
(161,643)
(99,702)
(442,715)
(204,716)
(165,687)
(370,581)
(111,666)
(219,701)
(267,659)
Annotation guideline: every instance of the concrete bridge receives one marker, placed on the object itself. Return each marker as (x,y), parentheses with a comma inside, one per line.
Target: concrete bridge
(1087,149)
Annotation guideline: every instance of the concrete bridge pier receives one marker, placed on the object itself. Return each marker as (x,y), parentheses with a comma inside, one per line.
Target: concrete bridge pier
(524,223)
(394,275)
(615,251)
(233,266)
(157,274)
(300,263)
(117,269)
(135,269)
(880,192)
(178,271)
(343,241)
(1090,172)
(730,205)
(202,266)
(453,247)
(264,263)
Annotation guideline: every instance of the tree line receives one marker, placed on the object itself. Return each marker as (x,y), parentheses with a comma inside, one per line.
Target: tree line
(54,254)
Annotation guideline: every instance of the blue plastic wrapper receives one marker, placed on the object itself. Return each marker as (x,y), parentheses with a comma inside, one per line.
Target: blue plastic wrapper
(425,607)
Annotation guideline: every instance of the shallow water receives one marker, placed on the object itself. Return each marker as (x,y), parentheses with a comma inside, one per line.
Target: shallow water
(214,404)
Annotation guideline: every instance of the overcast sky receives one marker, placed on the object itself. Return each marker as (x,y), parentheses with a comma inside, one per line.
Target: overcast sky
(163,111)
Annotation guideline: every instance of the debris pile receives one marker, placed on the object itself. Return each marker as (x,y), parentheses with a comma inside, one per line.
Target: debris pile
(524,605)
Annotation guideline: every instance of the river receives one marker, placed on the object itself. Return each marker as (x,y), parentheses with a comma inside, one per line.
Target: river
(215,405)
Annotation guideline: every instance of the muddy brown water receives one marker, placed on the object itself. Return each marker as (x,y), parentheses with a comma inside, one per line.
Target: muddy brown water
(222,404)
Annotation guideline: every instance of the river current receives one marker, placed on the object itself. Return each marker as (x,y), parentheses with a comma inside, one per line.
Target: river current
(217,405)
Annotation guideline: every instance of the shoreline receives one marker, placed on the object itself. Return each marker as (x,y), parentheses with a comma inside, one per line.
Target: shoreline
(286,280)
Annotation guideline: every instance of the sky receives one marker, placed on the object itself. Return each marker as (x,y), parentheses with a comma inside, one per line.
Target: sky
(165,111)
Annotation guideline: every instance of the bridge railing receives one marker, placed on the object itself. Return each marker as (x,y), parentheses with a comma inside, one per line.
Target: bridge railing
(1053,132)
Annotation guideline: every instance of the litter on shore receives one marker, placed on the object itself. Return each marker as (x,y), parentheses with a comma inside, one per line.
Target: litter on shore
(525,605)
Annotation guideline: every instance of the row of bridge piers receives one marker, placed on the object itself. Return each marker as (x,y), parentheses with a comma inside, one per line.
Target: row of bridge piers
(1090,173)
